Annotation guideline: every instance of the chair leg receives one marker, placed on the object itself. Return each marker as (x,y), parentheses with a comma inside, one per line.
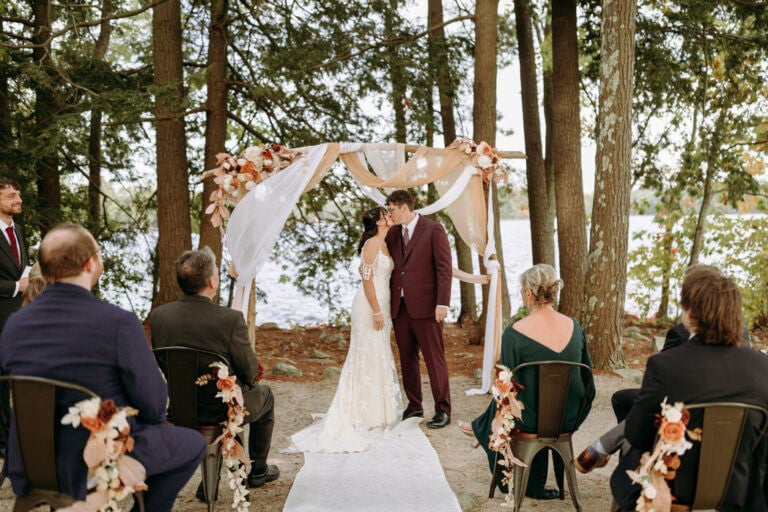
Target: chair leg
(558,466)
(565,450)
(525,450)
(496,476)
(211,468)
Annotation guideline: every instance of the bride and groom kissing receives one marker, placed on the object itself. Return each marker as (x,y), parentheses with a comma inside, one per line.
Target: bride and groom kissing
(406,273)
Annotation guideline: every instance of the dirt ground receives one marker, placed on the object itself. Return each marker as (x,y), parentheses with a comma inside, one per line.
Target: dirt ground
(314,349)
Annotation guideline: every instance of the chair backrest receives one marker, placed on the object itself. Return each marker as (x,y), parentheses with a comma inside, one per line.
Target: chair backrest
(191,405)
(554,385)
(34,416)
(722,431)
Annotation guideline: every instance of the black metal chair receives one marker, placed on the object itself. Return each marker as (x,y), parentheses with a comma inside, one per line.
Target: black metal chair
(195,406)
(554,383)
(33,402)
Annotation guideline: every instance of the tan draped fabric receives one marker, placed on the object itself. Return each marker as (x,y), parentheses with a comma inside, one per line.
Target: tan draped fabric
(331,154)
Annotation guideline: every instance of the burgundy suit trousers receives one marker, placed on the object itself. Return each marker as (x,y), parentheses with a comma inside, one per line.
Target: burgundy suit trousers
(425,334)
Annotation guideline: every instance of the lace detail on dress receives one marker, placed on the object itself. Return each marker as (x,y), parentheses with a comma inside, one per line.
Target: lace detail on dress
(368,394)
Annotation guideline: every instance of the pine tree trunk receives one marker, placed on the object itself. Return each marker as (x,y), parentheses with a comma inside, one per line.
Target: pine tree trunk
(95,135)
(701,222)
(48,186)
(542,226)
(6,136)
(173,222)
(484,116)
(396,75)
(215,117)
(549,161)
(566,141)
(447,92)
(606,280)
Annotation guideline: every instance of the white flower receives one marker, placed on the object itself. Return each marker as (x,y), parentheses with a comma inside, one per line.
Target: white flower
(89,408)
(673,414)
(223,372)
(241,161)
(250,185)
(649,492)
(484,161)
(72,417)
(252,153)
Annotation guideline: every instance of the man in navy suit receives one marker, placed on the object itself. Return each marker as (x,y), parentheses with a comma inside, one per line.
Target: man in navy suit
(13,260)
(68,334)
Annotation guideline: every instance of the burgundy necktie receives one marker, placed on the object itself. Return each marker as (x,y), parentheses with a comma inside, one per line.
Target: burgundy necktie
(406,238)
(12,240)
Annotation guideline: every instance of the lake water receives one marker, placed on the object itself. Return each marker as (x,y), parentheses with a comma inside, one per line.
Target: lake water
(285,305)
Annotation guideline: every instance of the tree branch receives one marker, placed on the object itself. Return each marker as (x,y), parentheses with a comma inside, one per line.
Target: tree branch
(247,127)
(386,42)
(749,143)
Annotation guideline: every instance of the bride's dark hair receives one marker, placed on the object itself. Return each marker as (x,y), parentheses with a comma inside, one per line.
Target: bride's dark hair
(370,218)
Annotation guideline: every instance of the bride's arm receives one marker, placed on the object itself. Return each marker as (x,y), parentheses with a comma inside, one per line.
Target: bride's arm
(370,250)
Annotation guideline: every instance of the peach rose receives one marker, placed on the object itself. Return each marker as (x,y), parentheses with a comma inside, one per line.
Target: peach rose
(92,424)
(226,384)
(672,432)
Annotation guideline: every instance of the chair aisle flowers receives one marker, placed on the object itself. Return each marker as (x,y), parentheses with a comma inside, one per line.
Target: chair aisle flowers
(508,409)
(232,451)
(661,465)
(112,475)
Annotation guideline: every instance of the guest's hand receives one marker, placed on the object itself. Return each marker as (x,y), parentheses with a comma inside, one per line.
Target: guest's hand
(440,313)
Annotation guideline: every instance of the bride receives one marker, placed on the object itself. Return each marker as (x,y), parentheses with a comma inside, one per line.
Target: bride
(368,394)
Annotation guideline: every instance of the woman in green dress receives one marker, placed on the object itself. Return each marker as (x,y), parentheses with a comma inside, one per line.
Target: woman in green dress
(543,335)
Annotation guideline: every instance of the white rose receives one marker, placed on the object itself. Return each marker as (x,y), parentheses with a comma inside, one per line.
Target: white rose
(484,161)
(673,415)
(250,185)
(241,161)
(252,153)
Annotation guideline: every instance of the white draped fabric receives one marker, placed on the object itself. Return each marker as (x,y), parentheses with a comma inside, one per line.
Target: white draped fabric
(259,217)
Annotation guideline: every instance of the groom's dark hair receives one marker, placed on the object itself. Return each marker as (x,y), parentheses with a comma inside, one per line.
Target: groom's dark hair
(401,197)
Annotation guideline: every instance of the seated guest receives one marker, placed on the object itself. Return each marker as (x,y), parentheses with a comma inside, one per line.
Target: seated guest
(715,365)
(543,335)
(196,321)
(596,455)
(67,334)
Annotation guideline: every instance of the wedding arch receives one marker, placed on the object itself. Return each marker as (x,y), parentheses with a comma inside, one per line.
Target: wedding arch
(266,182)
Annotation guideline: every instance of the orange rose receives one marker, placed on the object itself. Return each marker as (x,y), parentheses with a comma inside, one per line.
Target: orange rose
(672,432)
(226,384)
(92,424)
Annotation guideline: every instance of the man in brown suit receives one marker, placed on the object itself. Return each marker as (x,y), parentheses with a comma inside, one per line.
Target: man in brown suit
(420,293)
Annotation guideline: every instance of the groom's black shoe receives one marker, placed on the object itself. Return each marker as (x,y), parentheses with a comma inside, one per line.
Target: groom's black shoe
(410,413)
(439,420)
(257,479)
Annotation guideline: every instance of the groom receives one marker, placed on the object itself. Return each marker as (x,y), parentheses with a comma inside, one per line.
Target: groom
(420,293)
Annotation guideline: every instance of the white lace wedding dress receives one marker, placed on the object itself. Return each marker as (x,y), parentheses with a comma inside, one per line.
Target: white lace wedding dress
(368,394)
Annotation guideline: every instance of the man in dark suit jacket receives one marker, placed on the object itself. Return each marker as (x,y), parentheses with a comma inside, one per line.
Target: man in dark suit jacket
(196,321)
(13,260)
(420,289)
(714,366)
(68,334)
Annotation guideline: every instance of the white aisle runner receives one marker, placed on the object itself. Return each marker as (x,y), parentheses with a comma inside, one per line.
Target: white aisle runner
(400,471)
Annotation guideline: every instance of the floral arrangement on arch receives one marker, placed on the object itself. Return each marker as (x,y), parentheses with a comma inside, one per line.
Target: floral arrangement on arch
(112,475)
(231,449)
(236,175)
(486,158)
(508,409)
(660,466)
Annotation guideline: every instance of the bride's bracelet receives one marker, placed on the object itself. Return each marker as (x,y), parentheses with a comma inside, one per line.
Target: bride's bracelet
(377,314)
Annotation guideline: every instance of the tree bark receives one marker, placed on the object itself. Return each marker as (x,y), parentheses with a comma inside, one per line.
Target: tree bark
(94,137)
(447,92)
(173,221)
(6,135)
(484,116)
(215,117)
(396,75)
(606,281)
(542,226)
(47,165)
(566,141)
(549,161)
(701,221)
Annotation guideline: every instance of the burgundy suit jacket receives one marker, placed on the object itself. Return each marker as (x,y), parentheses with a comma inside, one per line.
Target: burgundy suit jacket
(423,271)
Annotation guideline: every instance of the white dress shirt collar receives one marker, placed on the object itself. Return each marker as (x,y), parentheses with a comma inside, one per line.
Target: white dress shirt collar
(412,225)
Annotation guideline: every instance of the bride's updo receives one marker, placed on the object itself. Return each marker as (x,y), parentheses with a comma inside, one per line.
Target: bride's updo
(543,282)
(370,218)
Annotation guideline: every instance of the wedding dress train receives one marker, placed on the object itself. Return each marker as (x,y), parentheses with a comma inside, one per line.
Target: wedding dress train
(368,394)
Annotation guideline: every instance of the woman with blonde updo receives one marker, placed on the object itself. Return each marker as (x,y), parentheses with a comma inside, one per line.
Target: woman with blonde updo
(543,335)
